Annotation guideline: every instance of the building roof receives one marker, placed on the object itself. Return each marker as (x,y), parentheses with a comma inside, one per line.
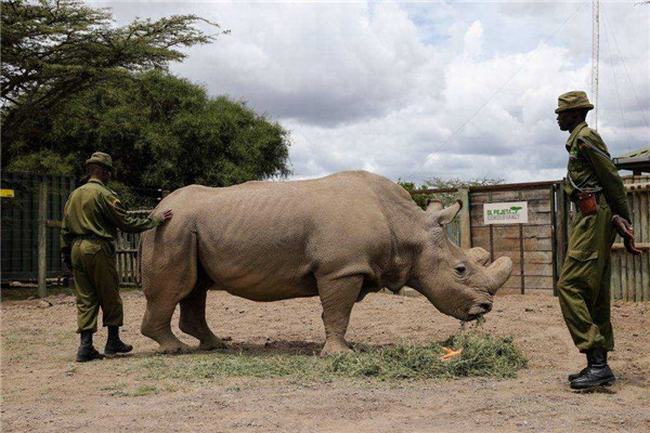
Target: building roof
(637,160)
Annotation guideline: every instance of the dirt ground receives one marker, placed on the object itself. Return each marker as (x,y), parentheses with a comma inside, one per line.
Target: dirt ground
(43,390)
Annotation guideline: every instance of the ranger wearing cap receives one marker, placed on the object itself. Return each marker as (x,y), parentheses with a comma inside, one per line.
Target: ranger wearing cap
(593,184)
(92,215)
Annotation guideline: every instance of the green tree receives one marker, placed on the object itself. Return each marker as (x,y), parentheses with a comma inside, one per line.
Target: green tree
(53,49)
(162,132)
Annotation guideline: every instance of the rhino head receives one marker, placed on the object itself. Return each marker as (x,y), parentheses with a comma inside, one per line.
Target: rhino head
(458,283)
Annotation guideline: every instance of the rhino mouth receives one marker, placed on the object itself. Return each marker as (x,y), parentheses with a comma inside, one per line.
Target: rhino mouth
(478,311)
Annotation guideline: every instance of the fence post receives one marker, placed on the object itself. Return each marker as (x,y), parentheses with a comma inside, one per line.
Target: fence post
(465,221)
(562,233)
(42,239)
(554,235)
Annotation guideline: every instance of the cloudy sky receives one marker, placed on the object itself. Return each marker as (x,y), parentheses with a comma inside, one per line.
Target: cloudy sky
(414,90)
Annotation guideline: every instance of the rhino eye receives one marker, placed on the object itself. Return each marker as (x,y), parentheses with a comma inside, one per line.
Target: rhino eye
(460,269)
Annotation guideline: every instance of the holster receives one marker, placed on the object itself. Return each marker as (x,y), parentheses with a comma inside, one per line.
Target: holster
(587,203)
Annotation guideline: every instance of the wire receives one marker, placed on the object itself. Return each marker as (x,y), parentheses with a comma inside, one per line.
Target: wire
(502,86)
(615,80)
(627,73)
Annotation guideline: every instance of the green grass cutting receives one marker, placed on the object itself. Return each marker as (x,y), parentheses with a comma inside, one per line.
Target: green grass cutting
(473,355)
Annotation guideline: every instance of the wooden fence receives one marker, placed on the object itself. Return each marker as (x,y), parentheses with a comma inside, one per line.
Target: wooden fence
(631,274)
(31,217)
(538,248)
(530,245)
(127,254)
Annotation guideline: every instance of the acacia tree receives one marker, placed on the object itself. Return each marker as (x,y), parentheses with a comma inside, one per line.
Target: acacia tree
(163,132)
(54,49)
(72,83)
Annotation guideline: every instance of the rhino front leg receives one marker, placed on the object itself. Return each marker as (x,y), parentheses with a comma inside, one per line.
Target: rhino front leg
(337,298)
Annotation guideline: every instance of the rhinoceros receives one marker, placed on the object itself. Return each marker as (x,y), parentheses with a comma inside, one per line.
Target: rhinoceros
(338,237)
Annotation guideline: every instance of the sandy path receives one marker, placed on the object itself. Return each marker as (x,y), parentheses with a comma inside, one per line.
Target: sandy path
(44,390)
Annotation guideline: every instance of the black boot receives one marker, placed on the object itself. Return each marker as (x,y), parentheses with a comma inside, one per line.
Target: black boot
(574,376)
(598,372)
(86,351)
(113,344)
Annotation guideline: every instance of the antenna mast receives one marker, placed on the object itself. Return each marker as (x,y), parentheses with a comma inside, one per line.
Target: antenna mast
(595,42)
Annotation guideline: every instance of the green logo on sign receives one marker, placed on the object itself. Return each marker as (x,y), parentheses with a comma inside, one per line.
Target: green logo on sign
(513,210)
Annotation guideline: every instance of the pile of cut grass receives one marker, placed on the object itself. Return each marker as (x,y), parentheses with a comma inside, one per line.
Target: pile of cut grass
(482,355)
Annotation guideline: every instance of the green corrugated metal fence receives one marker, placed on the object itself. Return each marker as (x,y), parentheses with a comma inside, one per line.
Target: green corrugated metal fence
(20,223)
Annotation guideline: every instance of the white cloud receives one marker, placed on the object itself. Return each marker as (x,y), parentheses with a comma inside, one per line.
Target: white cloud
(473,40)
(415,90)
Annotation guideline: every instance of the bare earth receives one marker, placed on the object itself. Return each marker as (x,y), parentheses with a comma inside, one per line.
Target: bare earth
(43,390)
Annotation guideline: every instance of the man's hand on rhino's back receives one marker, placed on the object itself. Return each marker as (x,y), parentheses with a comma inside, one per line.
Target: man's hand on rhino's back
(166,215)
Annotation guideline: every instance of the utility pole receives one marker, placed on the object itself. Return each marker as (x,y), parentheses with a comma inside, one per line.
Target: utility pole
(595,42)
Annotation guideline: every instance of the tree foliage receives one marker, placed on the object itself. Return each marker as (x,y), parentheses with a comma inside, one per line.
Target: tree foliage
(52,49)
(422,199)
(162,131)
(73,83)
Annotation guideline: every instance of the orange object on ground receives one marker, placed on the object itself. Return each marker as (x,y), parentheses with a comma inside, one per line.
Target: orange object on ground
(450,353)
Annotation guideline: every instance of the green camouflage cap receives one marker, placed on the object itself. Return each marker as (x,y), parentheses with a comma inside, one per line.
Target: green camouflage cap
(101,158)
(572,100)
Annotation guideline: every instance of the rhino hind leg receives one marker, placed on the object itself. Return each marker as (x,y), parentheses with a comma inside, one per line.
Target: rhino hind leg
(169,274)
(192,320)
(337,298)
(156,325)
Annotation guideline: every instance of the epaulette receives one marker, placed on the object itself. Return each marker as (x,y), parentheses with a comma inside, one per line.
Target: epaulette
(590,139)
(586,145)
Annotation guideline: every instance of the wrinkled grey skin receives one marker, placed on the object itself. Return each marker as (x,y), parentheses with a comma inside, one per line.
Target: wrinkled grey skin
(338,237)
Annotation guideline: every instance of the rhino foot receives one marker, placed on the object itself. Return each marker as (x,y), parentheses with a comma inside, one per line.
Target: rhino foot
(335,347)
(214,343)
(174,348)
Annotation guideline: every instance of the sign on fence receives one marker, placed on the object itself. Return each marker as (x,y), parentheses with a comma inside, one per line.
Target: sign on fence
(505,213)
(7,193)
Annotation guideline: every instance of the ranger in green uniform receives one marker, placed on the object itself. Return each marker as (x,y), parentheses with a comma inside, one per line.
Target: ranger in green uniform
(91,218)
(595,187)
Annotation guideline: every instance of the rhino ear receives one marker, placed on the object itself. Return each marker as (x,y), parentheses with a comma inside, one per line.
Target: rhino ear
(434,205)
(444,216)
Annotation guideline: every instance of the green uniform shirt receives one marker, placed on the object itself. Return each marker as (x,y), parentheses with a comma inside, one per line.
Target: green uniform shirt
(93,210)
(591,169)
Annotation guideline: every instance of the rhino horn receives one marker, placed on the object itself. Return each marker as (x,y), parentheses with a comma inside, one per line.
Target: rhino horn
(479,255)
(500,271)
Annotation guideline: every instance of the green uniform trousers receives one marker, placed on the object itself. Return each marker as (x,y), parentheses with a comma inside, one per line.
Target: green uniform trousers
(96,284)
(585,279)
